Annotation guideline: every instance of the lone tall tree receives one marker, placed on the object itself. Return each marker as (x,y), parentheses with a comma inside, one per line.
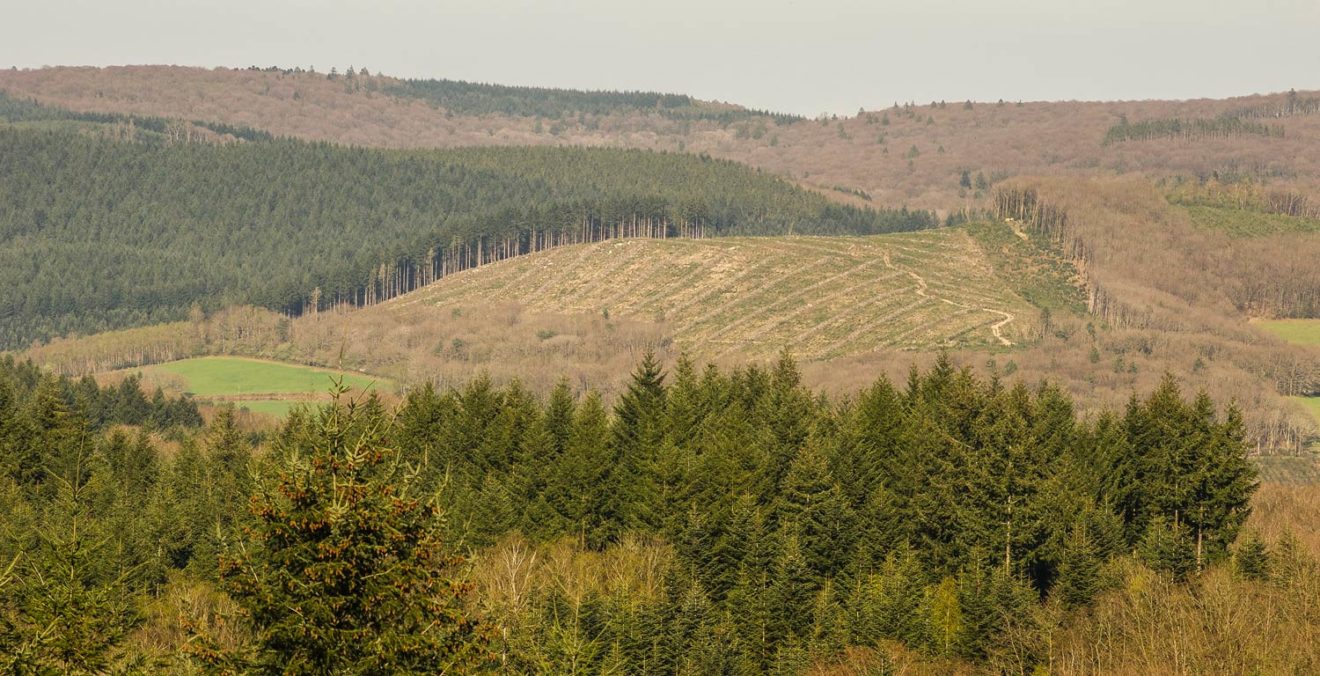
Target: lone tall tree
(638,431)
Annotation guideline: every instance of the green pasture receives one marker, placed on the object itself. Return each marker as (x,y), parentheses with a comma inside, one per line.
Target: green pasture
(1248,223)
(1298,331)
(260,386)
(1311,404)
(235,376)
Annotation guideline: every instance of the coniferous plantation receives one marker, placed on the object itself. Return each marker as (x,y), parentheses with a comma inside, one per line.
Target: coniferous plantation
(145,129)
(704,522)
(470,98)
(100,234)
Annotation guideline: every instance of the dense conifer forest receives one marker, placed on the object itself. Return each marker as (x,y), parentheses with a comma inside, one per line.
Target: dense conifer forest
(469,98)
(753,526)
(1189,129)
(99,233)
(146,129)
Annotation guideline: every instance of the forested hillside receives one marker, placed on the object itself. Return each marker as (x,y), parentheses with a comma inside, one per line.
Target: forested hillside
(707,522)
(932,154)
(470,98)
(143,129)
(1178,305)
(100,234)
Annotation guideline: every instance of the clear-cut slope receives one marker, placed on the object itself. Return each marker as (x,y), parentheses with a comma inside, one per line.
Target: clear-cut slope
(820,297)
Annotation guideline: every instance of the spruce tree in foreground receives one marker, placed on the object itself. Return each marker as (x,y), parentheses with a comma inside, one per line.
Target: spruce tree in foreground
(345,570)
(74,606)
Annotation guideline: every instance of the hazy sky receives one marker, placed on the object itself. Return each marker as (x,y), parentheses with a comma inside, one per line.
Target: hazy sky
(790,55)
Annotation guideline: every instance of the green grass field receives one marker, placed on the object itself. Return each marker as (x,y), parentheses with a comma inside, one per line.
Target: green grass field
(260,386)
(234,376)
(1311,403)
(1247,223)
(1299,331)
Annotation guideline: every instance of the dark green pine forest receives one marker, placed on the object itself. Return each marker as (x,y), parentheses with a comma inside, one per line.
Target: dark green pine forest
(470,98)
(942,513)
(140,128)
(98,232)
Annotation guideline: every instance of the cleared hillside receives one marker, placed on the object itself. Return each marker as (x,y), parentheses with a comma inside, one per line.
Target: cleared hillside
(592,309)
(819,297)
(894,154)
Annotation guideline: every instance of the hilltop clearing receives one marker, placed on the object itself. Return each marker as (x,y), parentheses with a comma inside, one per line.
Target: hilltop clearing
(820,297)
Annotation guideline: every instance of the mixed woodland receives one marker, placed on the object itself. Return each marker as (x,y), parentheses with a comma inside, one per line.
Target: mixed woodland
(706,522)
(902,152)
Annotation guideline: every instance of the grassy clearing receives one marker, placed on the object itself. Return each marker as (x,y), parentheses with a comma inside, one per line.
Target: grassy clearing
(1298,331)
(260,386)
(821,297)
(1311,404)
(1248,223)
(235,376)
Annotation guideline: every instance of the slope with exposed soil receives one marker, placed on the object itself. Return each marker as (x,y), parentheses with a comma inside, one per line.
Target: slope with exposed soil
(820,297)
